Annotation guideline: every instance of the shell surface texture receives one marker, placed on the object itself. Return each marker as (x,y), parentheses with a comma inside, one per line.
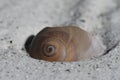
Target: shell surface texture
(67,44)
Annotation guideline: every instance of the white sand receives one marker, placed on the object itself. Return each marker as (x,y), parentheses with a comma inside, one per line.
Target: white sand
(21,18)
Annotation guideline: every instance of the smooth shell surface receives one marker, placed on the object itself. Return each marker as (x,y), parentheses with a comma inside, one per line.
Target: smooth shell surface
(62,44)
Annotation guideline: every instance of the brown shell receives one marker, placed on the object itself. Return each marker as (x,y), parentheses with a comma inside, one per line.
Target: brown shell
(61,44)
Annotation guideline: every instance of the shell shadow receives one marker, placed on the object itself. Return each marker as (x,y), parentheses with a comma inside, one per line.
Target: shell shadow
(28,42)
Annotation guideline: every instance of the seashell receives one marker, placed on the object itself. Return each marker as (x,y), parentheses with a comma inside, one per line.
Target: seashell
(69,43)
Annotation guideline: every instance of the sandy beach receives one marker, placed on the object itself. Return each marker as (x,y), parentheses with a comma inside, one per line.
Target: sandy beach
(21,18)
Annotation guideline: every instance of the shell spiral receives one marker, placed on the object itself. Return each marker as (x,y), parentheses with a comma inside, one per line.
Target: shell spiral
(61,44)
